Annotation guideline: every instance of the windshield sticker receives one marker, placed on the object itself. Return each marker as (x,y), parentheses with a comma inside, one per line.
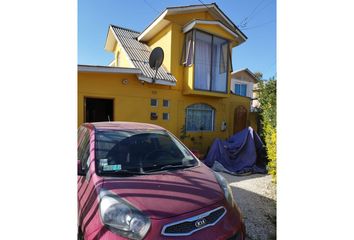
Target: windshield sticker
(103,162)
(116,167)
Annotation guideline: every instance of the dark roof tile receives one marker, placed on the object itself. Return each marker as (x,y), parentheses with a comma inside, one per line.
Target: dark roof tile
(139,54)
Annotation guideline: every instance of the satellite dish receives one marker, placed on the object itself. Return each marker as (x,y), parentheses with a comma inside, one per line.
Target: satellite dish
(156,59)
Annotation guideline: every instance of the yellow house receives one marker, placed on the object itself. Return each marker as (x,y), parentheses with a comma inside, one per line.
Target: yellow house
(190,95)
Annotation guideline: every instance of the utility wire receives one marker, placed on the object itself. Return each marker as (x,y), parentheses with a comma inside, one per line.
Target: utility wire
(257,26)
(204,4)
(247,19)
(146,2)
(243,22)
(269,3)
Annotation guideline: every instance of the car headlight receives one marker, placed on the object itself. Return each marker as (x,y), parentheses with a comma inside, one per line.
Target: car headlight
(226,188)
(122,218)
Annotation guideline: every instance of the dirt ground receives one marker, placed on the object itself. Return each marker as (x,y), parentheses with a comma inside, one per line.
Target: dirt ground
(256,196)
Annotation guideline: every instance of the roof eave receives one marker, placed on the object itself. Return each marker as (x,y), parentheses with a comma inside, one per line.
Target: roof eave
(156,23)
(190,25)
(109,45)
(107,69)
(145,36)
(255,79)
(157,81)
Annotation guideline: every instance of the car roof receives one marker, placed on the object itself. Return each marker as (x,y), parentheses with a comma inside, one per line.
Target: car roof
(123,126)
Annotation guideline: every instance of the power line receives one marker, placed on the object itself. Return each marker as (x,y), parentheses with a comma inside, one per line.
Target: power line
(203,4)
(243,22)
(257,26)
(248,18)
(151,6)
(269,3)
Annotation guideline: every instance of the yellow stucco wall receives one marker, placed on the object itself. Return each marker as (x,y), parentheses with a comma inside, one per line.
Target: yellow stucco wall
(132,103)
(163,40)
(182,19)
(123,58)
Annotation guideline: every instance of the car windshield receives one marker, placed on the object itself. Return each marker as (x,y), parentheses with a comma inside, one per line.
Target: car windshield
(139,152)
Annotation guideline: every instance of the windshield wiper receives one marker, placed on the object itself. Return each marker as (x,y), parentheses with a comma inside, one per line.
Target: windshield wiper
(167,167)
(126,172)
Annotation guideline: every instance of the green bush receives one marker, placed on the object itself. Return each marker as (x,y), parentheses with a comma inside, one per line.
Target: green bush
(271,146)
(268,111)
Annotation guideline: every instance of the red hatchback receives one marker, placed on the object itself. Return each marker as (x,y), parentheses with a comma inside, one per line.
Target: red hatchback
(138,181)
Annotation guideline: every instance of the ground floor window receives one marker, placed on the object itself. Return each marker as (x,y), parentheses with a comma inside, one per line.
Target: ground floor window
(199,117)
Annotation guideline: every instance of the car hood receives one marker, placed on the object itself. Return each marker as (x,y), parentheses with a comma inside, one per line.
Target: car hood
(169,193)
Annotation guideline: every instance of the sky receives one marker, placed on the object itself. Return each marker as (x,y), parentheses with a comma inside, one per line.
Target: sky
(255,18)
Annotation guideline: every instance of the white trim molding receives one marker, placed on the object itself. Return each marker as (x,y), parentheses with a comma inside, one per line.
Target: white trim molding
(191,25)
(157,81)
(161,22)
(107,69)
(143,36)
(121,46)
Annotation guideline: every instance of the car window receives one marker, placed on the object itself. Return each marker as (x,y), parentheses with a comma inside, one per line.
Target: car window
(138,150)
(83,150)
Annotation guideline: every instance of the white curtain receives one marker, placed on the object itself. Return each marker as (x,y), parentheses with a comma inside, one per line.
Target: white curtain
(188,49)
(202,61)
(219,65)
(199,117)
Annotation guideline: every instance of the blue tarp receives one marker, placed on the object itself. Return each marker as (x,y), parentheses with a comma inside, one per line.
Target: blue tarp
(241,153)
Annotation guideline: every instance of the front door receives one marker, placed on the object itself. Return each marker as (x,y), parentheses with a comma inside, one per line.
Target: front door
(98,110)
(240,119)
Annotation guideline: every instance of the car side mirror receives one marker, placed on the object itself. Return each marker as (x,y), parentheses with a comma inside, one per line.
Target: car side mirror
(80,172)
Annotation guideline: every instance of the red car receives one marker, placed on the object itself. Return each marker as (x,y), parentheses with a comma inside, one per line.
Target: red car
(138,181)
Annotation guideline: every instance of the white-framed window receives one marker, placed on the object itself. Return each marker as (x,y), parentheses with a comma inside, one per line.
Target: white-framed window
(166,103)
(165,116)
(199,117)
(154,102)
(211,57)
(241,89)
(211,62)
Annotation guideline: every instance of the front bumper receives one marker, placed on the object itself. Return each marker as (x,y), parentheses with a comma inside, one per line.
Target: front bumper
(229,227)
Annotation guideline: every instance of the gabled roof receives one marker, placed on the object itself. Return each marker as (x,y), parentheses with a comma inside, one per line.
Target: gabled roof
(160,22)
(246,70)
(138,53)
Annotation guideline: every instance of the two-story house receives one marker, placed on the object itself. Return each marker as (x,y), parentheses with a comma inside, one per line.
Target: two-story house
(190,95)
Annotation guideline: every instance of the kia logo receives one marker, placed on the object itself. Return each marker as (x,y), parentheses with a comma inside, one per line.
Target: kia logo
(200,222)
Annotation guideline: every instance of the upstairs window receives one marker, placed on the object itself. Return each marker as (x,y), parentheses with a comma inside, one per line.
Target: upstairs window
(199,117)
(211,58)
(241,89)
